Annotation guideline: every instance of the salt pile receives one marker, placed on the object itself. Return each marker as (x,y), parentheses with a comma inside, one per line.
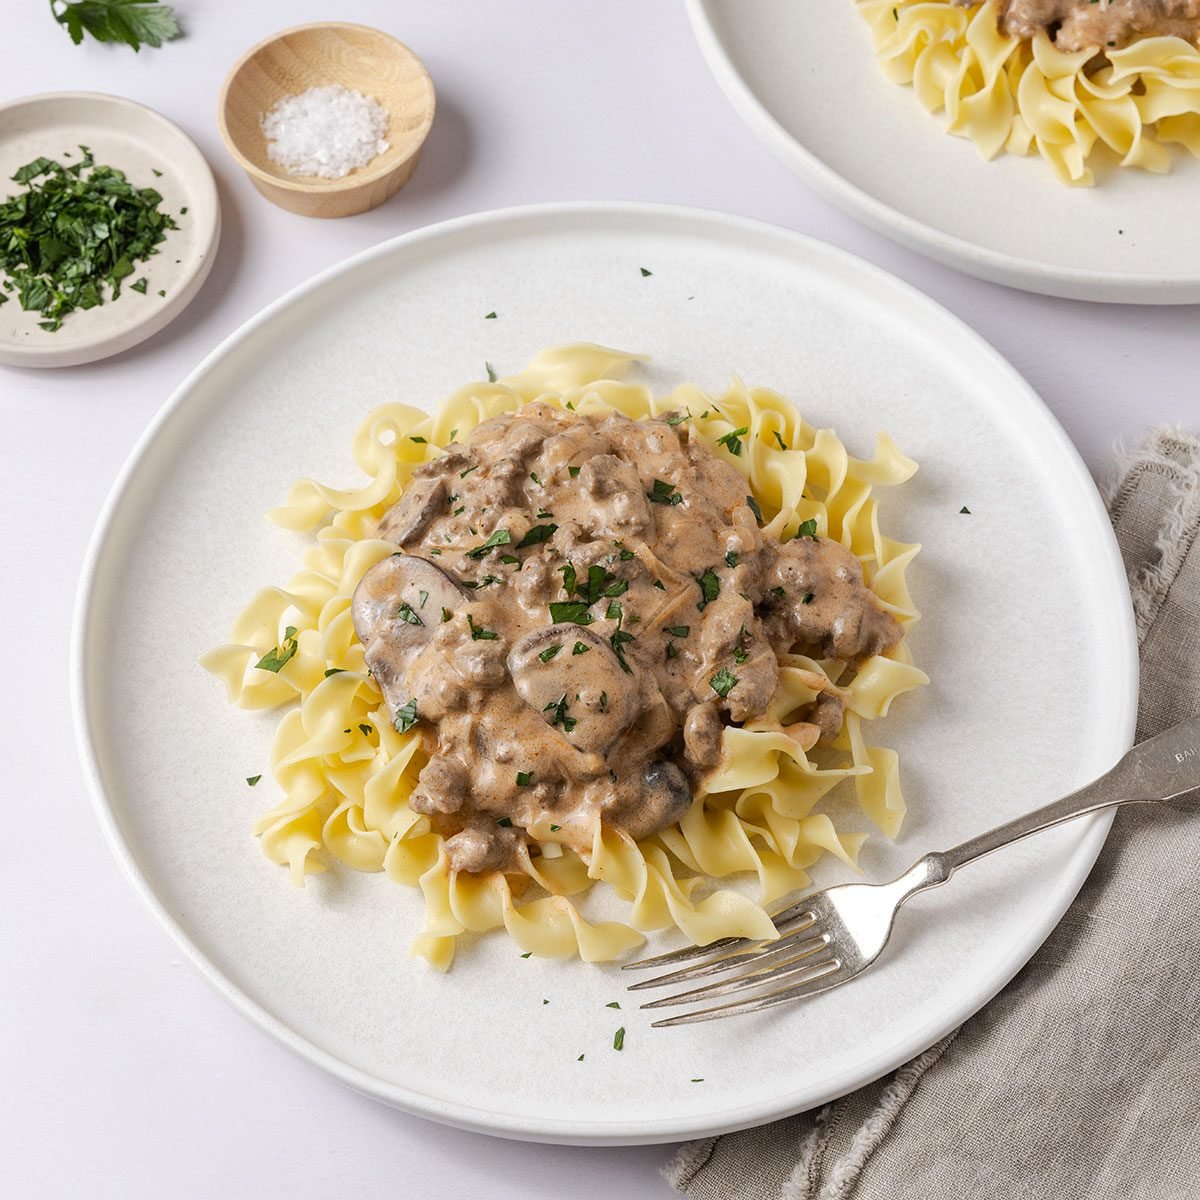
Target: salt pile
(325,131)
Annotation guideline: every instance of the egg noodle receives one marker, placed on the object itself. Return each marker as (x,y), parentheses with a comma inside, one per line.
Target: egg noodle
(1019,95)
(345,773)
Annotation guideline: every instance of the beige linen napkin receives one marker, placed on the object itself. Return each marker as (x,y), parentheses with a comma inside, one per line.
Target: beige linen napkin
(1082,1078)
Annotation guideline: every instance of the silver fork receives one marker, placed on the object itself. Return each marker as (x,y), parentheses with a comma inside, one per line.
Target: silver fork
(828,938)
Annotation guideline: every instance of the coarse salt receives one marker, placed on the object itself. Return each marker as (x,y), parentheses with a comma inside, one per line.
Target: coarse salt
(325,131)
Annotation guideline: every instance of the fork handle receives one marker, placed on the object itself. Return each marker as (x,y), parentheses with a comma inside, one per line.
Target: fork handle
(1161,770)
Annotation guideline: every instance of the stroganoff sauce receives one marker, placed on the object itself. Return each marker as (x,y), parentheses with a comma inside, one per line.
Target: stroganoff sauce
(1104,24)
(577,607)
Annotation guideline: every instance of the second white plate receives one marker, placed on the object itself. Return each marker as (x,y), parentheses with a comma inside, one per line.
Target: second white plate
(805,78)
(1027,635)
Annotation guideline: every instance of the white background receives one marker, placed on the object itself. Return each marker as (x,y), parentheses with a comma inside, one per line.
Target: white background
(121,1073)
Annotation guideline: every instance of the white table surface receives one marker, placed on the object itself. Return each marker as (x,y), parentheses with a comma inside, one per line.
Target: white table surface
(123,1075)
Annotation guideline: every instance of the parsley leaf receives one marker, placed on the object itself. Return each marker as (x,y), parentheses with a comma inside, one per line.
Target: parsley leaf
(731,558)
(619,1039)
(524,778)
(537,535)
(491,374)
(558,713)
(733,441)
(645,273)
(808,529)
(807,598)
(405,613)
(710,588)
(501,537)
(664,493)
(406,717)
(130,21)
(274,659)
(570,612)
(723,682)
(550,651)
(478,633)
(782,443)
(752,504)
(580,648)
(253,779)
(679,630)
(676,418)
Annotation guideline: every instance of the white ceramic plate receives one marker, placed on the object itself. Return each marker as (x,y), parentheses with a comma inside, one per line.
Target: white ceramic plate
(138,141)
(805,78)
(1027,635)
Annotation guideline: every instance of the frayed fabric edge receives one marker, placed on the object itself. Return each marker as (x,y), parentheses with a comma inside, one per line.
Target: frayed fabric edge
(687,1161)
(1174,453)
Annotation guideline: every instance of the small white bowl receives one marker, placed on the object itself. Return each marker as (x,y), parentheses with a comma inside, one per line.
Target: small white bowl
(137,141)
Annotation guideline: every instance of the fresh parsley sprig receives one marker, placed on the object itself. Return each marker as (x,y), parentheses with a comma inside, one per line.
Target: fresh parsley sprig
(133,22)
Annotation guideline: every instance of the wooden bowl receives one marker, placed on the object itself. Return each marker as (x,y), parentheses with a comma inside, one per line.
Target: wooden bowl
(295,60)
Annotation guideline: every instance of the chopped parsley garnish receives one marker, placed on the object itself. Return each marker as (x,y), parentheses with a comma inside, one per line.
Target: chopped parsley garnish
(568,574)
(533,475)
(644,272)
(570,612)
(424,596)
(612,1004)
(486,581)
(543,515)
(406,717)
(625,553)
(510,560)
(604,702)
(619,637)
(445,615)
(274,659)
(253,779)
(491,374)
(365,730)
(619,1039)
(419,440)
(501,537)
(572,471)
(558,710)
(478,633)
(740,656)
(723,682)
(965,509)
(699,1080)
(679,630)
(676,418)
(550,651)
(752,504)
(664,493)
(782,443)
(334,671)
(490,316)
(505,822)
(733,441)
(710,587)
(808,529)
(671,651)
(464,474)
(408,615)
(600,583)
(778,593)
(658,583)
(527,954)
(537,535)
(555,828)
(68,234)
(731,558)
(580,648)
(453,435)
(140,286)
(807,598)
(524,778)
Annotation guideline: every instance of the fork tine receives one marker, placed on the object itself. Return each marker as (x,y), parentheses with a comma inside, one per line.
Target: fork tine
(801,962)
(784,922)
(831,978)
(806,937)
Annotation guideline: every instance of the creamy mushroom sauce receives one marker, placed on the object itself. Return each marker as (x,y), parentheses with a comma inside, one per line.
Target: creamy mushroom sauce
(1077,24)
(578,606)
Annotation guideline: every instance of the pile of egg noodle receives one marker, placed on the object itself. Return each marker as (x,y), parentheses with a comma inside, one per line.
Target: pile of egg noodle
(1016,95)
(345,773)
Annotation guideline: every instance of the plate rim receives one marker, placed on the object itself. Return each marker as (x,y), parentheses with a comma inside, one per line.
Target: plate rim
(563,1130)
(105,345)
(1069,283)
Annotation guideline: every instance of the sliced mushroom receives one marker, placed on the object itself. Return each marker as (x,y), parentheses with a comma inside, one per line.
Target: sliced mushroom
(664,798)
(415,511)
(397,606)
(584,692)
